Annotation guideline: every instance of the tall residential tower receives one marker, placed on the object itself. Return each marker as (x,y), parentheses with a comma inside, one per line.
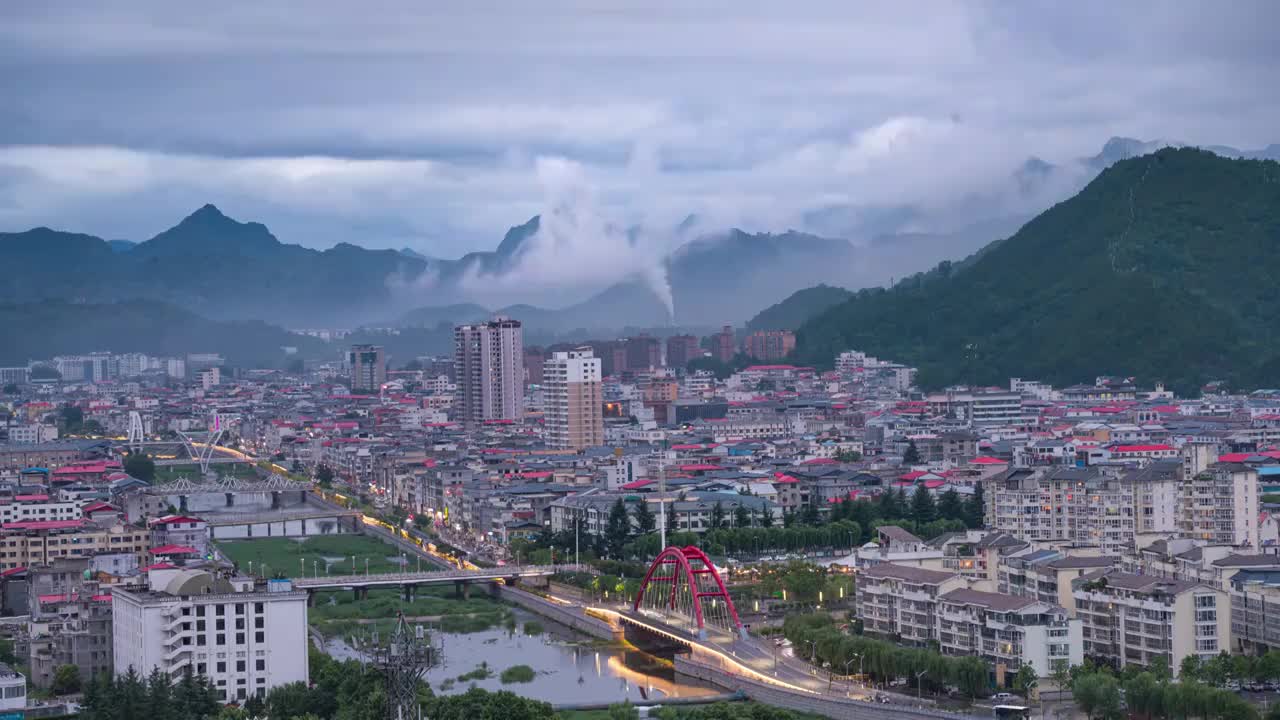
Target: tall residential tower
(489,369)
(574,401)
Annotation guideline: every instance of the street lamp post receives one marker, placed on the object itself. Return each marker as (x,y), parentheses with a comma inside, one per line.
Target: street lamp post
(920,683)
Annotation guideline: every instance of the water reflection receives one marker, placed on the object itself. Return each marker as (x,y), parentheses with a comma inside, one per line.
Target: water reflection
(570,669)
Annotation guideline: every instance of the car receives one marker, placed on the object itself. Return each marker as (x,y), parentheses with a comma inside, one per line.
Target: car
(1002,697)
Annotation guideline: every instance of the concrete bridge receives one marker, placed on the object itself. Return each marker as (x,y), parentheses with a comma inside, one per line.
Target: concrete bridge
(408,582)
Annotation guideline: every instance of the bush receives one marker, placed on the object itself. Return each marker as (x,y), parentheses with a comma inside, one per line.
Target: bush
(517,674)
(533,627)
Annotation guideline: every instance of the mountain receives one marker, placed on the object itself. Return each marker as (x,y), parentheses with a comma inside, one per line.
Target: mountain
(430,317)
(798,307)
(721,278)
(56,327)
(122,245)
(211,264)
(1162,267)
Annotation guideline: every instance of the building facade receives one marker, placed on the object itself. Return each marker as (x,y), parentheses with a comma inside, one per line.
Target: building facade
(368,366)
(681,349)
(246,638)
(489,369)
(903,602)
(573,400)
(1220,505)
(770,345)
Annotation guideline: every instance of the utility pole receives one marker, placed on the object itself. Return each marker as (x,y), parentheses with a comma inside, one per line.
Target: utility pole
(576,520)
(662,495)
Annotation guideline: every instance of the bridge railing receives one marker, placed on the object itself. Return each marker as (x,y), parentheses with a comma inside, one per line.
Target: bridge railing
(483,574)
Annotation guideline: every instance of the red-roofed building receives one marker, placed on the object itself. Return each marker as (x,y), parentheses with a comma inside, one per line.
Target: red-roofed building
(180,530)
(1153,451)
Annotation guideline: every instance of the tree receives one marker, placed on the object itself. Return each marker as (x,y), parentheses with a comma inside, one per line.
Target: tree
(673,525)
(141,466)
(1189,669)
(766,520)
(66,680)
(1026,680)
(950,505)
(741,516)
(848,456)
(618,528)
(72,417)
(923,509)
(809,514)
(912,454)
(11,389)
(646,522)
(324,475)
(717,516)
(623,711)
(255,707)
(975,508)
(1098,695)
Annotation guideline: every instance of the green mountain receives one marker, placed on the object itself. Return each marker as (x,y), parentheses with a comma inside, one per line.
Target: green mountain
(1163,267)
(798,307)
(43,329)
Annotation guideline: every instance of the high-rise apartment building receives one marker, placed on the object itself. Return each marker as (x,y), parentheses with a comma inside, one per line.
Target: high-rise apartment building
(722,344)
(770,345)
(573,399)
(489,369)
(368,367)
(681,349)
(643,353)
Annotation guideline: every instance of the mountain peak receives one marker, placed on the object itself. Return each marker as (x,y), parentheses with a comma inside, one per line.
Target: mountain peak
(514,240)
(207,213)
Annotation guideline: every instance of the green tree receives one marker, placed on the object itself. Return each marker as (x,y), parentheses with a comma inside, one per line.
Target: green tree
(72,417)
(618,528)
(255,707)
(848,456)
(646,522)
(717,516)
(66,680)
(923,509)
(951,506)
(911,455)
(741,516)
(141,466)
(809,514)
(623,711)
(11,389)
(1189,669)
(1025,680)
(673,525)
(766,520)
(324,475)
(975,508)
(1144,696)
(1098,695)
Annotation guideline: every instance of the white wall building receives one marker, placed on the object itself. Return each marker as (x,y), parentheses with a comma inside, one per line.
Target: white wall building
(13,689)
(246,638)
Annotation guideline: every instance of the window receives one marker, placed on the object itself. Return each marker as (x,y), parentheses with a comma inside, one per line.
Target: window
(257,607)
(259,664)
(222,667)
(1206,601)
(239,666)
(259,637)
(239,608)
(1206,616)
(221,625)
(221,609)
(258,622)
(239,638)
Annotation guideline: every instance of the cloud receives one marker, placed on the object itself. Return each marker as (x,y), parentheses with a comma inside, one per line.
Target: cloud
(433,126)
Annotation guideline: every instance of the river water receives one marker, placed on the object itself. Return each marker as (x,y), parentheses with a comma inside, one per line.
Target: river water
(571,668)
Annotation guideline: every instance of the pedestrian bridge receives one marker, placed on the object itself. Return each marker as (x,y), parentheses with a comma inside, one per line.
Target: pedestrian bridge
(429,577)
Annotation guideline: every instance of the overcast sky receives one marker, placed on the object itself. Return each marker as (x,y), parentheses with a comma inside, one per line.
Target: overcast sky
(438,125)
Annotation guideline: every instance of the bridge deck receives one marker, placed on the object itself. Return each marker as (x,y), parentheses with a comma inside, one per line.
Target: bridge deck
(427,577)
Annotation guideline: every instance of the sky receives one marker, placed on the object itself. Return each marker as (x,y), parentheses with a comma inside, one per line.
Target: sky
(436,126)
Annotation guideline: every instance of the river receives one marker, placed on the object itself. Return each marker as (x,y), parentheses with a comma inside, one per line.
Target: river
(571,668)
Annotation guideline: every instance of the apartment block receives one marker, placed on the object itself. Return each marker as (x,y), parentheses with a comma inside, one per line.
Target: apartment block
(1008,631)
(1220,505)
(1046,575)
(489,371)
(1255,611)
(903,602)
(246,637)
(573,400)
(1085,506)
(1137,619)
(41,542)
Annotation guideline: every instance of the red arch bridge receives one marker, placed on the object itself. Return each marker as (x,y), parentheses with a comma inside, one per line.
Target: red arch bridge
(683,589)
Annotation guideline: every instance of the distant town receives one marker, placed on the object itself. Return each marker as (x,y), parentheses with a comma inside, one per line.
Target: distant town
(1036,528)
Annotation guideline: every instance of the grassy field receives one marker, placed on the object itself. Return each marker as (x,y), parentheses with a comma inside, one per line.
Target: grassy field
(337,613)
(284,555)
(170,473)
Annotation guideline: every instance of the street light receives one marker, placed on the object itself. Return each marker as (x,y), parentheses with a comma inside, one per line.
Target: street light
(920,683)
